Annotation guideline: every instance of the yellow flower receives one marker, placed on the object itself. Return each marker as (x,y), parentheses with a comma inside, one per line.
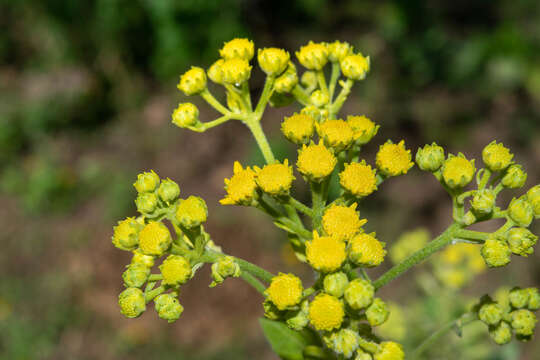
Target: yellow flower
(132,303)
(326,312)
(285,291)
(363,128)
(393,159)
(191,212)
(358,179)
(457,171)
(273,61)
(185,115)
(338,50)
(238,48)
(154,239)
(125,234)
(389,350)
(298,128)
(214,72)
(313,56)
(286,82)
(336,134)
(316,162)
(355,67)
(366,250)
(325,253)
(241,187)
(176,270)
(275,179)
(193,81)
(342,222)
(497,157)
(235,71)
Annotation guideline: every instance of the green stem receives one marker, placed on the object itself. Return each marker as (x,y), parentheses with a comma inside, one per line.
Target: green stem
(438,243)
(300,206)
(471,235)
(300,94)
(340,100)
(318,203)
(265,96)
(202,127)
(322,83)
(150,295)
(485,178)
(254,126)
(212,101)
(336,71)
(211,256)
(155,277)
(251,280)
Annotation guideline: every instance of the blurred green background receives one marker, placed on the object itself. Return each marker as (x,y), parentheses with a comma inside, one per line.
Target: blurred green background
(86,93)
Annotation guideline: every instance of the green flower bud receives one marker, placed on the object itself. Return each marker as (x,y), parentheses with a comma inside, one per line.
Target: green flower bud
(146,182)
(344,342)
(132,302)
(309,79)
(314,112)
(457,171)
(514,177)
(521,241)
(287,81)
(140,258)
(389,350)
(319,98)
(168,190)
(271,311)
(337,51)
(192,81)
(313,56)
(495,252)
(430,157)
(355,67)
(125,236)
(185,115)
(168,307)
(496,156)
(235,71)
(520,211)
(502,333)
(377,313)
(214,72)
(523,322)
(483,202)
(534,299)
(359,294)
(225,267)
(490,313)
(176,270)
(364,129)
(146,203)
(299,319)
(335,284)
(519,298)
(191,212)
(273,61)
(533,196)
(135,275)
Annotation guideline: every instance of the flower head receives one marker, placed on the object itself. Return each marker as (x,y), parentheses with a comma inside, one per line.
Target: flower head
(358,179)
(241,187)
(502,333)
(457,171)
(325,253)
(176,270)
(389,350)
(313,56)
(366,250)
(359,294)
(495,252)
(326,312)
(315,162)
(273,61)
(193,81)
(521,241)
(285,291)
(533,196)
(497,157)
(430,157)
(514,177)
(363,129)
(238,48)
(146,182)
(185,115)
(214,72)
(132,302)
(275,179)
(521,211)
(135,275)
(342,222)
(125,234)
(286,82)
(338,50)
(168,307)
(377,313)
(154,239)
(344,341)
(298,128)
(140,258)
(336,134)
(235,71)
(335,283)
(168,190)
(355,67)
(393,159)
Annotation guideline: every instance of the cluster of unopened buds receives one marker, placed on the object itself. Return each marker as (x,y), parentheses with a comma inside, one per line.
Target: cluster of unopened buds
(339,305)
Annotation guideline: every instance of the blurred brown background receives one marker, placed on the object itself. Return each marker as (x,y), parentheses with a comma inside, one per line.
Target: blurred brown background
(86,93)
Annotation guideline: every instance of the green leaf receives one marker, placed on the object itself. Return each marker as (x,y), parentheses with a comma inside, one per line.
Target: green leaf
(287,343)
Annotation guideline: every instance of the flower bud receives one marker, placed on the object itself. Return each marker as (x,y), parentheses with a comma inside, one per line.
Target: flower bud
(502,333)
(359,179)
(168,190)
(215,73)
(361,355)
(389,350)
(191,212)
(457,171)
(273,61)
(523,322)
(275,179)
(185,115)
(483,202)
(271,311)
(146,182)
(193,81)
(534,299)
(315,162)
(495,252)
(319,98)
(359,294)
(363,129)
(377,313)
(168,307)
(176,270)
(496,156)
(132,302)
(393,159)
(490,313)
(313,56)
(319,115)
(326,312)
(125,236)
(238,48)
(533,196)
(287,81)
(146,203)
(309,79)
(521,212)
(336,134)
(355,67)
(430,157)
(300,318)
(365,250)
(344,342)
(154,239)
(285,291)
(519,298)
(298,128)
(225,267)
(235,71)
(514,177)
(335,284)
(338,50)
(325,253)
(140,258)
(135,275)
(521,241)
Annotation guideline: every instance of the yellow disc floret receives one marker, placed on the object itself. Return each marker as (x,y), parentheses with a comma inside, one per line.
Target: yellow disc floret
(342,222)
(393,159)
(363,128)
(355,67)
(154,239)
(366,250)
(325,253)
(285,291)
(298,128)
(241,187)
(389,350)
(457,171)
(238,48)
(313,56)
(275,179)
(235,71)
(336,134)
(316,162)
(358,179)
(176,270)
(497,157)
(326,312)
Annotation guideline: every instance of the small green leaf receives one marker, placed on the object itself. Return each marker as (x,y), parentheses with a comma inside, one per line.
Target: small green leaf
(287,343)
